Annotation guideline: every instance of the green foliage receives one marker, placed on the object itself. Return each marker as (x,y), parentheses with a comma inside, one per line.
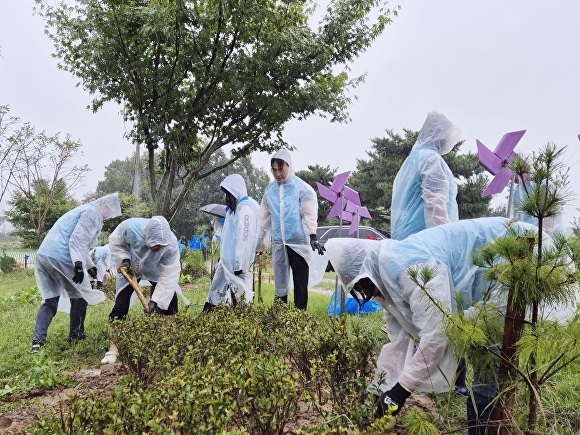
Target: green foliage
(26,212)
(245,369)
(7,263)
(199,75)
(193,265)
(28,296)
(45,373)
(419,423)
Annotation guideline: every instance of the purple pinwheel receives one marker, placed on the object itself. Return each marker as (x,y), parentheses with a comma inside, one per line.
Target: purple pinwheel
(496,162)
(353,212)
(337,192)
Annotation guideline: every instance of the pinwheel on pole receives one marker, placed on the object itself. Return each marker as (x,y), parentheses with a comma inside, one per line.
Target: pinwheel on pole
(353,212)
(339,195)
(497,162)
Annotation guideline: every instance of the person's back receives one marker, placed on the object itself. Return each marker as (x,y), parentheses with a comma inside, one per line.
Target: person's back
(424,190)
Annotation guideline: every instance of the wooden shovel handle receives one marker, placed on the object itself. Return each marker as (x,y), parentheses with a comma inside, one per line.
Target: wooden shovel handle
(131,280)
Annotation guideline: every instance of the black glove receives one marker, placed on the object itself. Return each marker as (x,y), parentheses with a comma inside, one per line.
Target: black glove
(151,308)
(92,272)
(391,402)
(315,245)
(238,272)
(126,263)
(79,274)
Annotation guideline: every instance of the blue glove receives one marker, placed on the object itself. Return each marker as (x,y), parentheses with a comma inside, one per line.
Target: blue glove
(391,402)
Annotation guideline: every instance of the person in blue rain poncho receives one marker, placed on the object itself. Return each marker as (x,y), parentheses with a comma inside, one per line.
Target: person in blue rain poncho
(62,262)
(101,256)
(232,280)
(288,215)
(418,356)
(149,250)
(424,190)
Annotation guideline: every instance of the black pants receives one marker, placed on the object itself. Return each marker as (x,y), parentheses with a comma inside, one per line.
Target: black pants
(123,302)
(300,273)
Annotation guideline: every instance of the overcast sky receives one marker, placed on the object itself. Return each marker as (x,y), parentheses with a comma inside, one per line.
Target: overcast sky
(490,66)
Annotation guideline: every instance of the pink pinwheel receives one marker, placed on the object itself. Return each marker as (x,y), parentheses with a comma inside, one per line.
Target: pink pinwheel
(496,162)
(353,212)
(336,193)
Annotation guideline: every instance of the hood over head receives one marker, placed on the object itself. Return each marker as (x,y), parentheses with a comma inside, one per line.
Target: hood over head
(157,232)
(353,259)
(284,154)
(109,206)
(438,133)
(236,185)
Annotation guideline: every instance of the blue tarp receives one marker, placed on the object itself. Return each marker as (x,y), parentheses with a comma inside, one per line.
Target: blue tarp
(350,305)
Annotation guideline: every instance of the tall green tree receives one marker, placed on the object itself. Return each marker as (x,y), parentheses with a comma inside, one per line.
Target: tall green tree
(373,178)
(195,76)
(26,209)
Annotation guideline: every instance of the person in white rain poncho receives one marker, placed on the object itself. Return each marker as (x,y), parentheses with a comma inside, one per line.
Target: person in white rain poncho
(289,214)
(149,250)
(101,255)
(61,262)
(232,280)
(379,270)
(424,190)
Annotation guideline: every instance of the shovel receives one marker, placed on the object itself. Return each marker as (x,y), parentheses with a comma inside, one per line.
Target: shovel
(133,281)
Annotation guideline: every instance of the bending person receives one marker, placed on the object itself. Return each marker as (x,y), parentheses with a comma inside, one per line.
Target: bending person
(232,280)
(61,262)
(379,270)
(148,249)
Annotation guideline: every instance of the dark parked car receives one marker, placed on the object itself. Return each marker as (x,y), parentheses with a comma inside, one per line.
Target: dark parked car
(333,231)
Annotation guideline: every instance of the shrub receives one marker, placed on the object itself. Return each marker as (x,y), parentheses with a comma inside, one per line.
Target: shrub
(237,370)
(192,264)
(7,263)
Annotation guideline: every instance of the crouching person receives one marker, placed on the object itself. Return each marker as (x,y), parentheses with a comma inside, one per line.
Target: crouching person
(147,249)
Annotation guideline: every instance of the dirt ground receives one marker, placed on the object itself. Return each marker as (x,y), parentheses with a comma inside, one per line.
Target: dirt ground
(37,401)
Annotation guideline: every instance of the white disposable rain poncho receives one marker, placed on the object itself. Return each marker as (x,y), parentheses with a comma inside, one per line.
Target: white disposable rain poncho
(132,239)
(69,240)
(424,191)
(101,256)
(410,316)
(289,214)
(238,246)
(550,224)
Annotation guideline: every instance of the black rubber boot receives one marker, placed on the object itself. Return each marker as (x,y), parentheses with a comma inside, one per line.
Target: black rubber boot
(282,298)
(208,308)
